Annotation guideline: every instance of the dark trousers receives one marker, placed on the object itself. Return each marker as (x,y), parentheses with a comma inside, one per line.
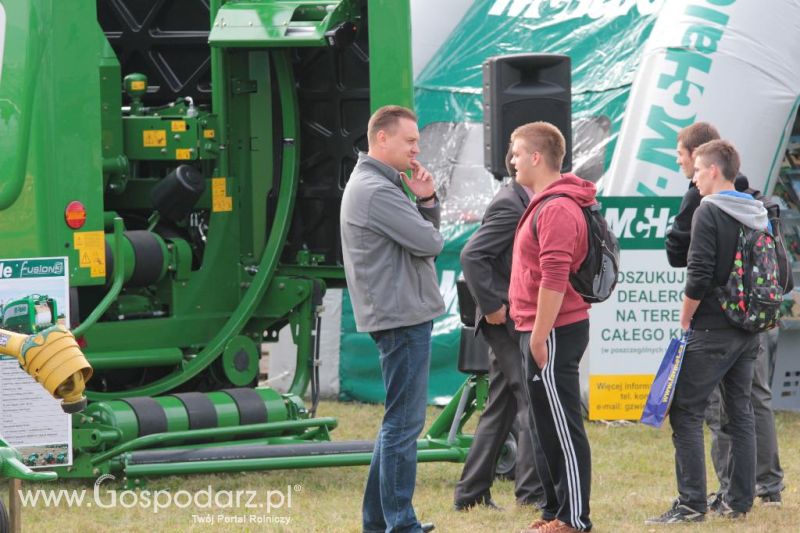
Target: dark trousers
(715,357)
(508,401)
(769,474)
(555,399)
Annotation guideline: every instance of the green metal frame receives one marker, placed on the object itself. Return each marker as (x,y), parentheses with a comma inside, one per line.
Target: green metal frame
(240,289)
(11,466)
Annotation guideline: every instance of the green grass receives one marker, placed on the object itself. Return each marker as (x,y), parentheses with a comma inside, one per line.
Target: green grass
(633,478)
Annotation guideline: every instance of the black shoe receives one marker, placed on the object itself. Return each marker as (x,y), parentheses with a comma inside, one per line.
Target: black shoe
(714,501)
(771,500)
(678,514)
(485,501)
(427,526)
(724,510)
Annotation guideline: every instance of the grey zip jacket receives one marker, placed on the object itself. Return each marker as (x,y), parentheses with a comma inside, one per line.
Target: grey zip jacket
(388,244)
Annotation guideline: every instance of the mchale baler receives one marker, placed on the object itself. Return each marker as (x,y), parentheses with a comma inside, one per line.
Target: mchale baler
(190,166)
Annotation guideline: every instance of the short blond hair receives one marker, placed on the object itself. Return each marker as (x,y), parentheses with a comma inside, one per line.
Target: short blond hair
(386,118)
(544,138)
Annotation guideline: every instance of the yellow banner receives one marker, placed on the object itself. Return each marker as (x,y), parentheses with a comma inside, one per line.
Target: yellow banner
(618,396)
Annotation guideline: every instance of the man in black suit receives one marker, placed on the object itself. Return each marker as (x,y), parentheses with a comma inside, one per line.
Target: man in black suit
(486,262)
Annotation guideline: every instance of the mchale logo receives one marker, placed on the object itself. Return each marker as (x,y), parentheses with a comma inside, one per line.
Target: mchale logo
(636,223)
(563,10)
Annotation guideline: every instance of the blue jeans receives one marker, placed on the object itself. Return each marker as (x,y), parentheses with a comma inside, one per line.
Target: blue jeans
(405,355)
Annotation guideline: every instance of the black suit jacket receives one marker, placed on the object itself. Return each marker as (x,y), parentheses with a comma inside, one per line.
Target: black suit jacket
(486,258)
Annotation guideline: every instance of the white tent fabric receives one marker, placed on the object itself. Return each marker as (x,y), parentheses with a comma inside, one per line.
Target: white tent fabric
(733,64)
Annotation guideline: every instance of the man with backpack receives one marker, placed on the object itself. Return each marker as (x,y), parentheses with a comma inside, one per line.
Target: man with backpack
(717,351)
(553,320)
(769,475)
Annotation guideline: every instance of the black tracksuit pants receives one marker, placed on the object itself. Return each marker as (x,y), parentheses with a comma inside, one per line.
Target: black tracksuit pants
(555,400)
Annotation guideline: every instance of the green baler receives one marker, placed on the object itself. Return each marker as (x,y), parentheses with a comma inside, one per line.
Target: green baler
(190,165)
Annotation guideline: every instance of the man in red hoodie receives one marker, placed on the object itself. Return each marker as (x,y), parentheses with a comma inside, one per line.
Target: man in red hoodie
(553,320)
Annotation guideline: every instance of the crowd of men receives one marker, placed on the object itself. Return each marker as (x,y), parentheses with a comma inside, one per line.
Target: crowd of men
(517,266)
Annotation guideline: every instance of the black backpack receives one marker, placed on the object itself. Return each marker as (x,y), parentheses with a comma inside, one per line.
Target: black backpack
(597,276)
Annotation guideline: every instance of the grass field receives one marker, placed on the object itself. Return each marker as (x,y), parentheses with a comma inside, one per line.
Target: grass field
(633,478)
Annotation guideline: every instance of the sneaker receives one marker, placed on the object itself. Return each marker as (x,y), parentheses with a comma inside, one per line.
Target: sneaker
(551,526)
(724,510)
(771,500)
(714,499)
(534,526)
(556,526)
(678,514)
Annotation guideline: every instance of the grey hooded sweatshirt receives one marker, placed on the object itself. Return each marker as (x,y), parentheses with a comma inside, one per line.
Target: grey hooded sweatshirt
(715,231)
(388,245)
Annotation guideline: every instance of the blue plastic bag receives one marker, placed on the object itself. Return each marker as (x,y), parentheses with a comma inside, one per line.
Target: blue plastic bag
(663,388)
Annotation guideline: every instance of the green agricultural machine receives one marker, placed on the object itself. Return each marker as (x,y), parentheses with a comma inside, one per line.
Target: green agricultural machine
(188,158)
(31,314)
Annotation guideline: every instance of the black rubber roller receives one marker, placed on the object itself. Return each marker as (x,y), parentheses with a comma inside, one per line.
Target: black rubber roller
(250,405)
(149,258)
(149,413)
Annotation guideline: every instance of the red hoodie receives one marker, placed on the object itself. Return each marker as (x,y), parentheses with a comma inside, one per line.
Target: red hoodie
(560,249)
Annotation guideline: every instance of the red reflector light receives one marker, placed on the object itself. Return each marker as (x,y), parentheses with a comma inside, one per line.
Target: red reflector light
(75,215)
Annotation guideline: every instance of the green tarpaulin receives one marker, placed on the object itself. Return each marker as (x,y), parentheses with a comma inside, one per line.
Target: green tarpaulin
(604,41)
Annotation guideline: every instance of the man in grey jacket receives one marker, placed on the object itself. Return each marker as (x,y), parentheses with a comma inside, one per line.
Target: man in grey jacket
(389,244)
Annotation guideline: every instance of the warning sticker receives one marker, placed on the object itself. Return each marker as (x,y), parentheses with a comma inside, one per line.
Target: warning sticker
(183,153)
(91,247)
(154,138)
(178,125)
(209,134)
(220,201)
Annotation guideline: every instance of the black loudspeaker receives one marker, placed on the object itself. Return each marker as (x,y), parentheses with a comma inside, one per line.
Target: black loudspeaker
(466,303)
(473,352)
(523,88)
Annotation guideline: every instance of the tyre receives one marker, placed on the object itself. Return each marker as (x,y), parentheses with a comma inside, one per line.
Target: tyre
(507,461)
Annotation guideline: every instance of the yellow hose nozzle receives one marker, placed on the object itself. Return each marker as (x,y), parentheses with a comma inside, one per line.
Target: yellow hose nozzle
(55,360)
